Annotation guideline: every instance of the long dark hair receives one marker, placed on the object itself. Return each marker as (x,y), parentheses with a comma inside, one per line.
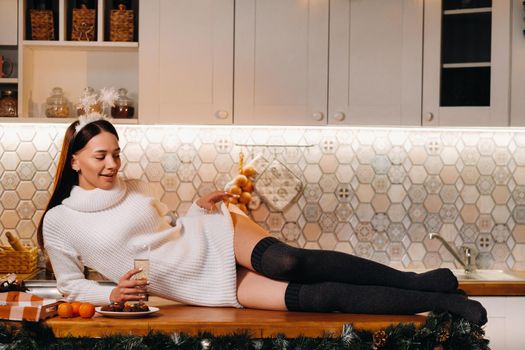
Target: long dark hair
(66,177)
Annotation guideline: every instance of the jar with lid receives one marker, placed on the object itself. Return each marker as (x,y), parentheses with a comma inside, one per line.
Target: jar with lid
(57,106)
(8,103)
(123,105)
(89,98)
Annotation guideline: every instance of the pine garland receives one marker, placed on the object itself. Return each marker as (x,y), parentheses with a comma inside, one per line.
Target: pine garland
(440,331)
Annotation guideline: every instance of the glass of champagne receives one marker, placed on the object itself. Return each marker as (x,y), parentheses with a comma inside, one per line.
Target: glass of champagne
(141,261)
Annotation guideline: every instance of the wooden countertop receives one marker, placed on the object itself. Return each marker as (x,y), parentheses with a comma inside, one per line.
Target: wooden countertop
(174,317)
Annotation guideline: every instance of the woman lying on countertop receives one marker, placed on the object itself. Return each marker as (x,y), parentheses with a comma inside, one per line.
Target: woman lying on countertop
(211,257)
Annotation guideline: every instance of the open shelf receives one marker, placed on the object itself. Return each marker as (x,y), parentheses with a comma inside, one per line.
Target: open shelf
(8,80)
(80,44)
(130,121)
(71,64)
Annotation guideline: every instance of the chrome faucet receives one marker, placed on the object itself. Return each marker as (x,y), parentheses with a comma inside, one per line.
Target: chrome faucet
(466,263)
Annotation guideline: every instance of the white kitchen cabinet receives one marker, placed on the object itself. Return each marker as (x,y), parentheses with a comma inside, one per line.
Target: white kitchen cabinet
(375,62)
(466,72)
(9,45)
(505,319)
(517,108)
(8,22)
(281,62)
(186,61)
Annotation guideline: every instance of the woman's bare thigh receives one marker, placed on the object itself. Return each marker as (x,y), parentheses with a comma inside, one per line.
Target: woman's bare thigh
(258,292)
(246,234)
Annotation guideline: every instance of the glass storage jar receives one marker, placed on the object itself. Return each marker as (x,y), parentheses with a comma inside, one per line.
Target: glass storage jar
(57,106)
(8,103)
(89,99)
(123,105)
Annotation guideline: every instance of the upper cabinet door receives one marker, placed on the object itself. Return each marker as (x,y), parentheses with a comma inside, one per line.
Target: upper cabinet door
(281,62)
(8,22)
(375,62)
(466,64)
(186,63)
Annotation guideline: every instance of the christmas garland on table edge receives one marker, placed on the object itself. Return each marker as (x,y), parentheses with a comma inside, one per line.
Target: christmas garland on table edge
(440,331)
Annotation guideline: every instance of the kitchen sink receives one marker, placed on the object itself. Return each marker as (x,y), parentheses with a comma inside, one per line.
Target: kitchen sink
(483,275)
(48,288)
(487,275)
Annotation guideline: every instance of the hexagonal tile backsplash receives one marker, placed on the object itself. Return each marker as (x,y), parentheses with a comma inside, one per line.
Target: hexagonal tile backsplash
(371,192)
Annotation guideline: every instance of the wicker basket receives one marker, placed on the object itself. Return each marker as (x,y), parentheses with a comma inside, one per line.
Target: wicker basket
(42,27)
(121,25)
(12,261)
(83,24)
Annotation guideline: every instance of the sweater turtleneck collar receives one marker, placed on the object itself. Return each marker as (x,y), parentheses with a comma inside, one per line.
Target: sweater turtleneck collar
(96,199)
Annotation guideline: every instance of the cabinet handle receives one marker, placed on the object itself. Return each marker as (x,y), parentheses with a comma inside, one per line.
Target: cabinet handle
(430,116)
(318,116)
(222,114)
(339,116)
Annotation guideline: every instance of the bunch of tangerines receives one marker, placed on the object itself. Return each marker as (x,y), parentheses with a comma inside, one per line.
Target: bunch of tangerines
(76,308)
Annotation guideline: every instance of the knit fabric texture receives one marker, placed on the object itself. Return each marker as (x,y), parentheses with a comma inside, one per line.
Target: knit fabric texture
(192,262)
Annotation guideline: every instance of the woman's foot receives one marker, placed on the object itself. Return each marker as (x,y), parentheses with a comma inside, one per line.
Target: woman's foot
(438,280)
(469,309)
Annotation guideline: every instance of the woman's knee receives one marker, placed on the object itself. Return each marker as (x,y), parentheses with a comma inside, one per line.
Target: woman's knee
(282,261)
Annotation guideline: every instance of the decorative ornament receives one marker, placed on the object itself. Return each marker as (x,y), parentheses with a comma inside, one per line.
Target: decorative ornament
(280,342)
(176,338)
(85,30)
(379,339)
(206,344)
(257,344)
(443,334)
(348,334)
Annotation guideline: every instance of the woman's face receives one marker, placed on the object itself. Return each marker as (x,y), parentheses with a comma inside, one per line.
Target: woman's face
(98,162)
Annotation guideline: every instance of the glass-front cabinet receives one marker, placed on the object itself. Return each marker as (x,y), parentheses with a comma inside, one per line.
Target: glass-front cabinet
(466,62)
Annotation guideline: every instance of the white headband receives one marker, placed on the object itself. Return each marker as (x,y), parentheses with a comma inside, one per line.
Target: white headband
(85,119)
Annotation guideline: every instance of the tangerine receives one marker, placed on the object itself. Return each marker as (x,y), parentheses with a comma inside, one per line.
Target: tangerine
(65,310)
(234,189)
(86,310)
(248,171)
(248,187)
(245,198)
(75,305)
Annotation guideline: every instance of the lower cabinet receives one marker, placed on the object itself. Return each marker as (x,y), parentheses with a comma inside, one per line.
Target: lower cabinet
(506,316)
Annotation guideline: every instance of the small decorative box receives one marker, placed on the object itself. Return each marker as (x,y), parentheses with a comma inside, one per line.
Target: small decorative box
(22,306)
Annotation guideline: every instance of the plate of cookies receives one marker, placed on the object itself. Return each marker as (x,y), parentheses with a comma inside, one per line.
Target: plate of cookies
(126,310)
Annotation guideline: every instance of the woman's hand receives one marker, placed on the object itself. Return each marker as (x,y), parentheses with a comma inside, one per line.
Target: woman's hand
(208,201)
(128,289)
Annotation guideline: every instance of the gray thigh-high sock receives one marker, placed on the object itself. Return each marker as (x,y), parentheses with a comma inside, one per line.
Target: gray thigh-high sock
(281,261)
(335,296)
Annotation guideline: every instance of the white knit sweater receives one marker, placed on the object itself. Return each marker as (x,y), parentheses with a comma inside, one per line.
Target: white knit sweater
(192,262)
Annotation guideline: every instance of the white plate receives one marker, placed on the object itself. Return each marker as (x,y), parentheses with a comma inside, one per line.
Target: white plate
(120,314)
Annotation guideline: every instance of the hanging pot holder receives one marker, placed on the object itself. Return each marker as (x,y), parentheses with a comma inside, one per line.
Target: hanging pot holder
(278,186)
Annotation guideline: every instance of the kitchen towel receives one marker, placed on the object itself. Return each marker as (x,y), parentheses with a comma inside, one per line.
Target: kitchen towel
(278,186)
